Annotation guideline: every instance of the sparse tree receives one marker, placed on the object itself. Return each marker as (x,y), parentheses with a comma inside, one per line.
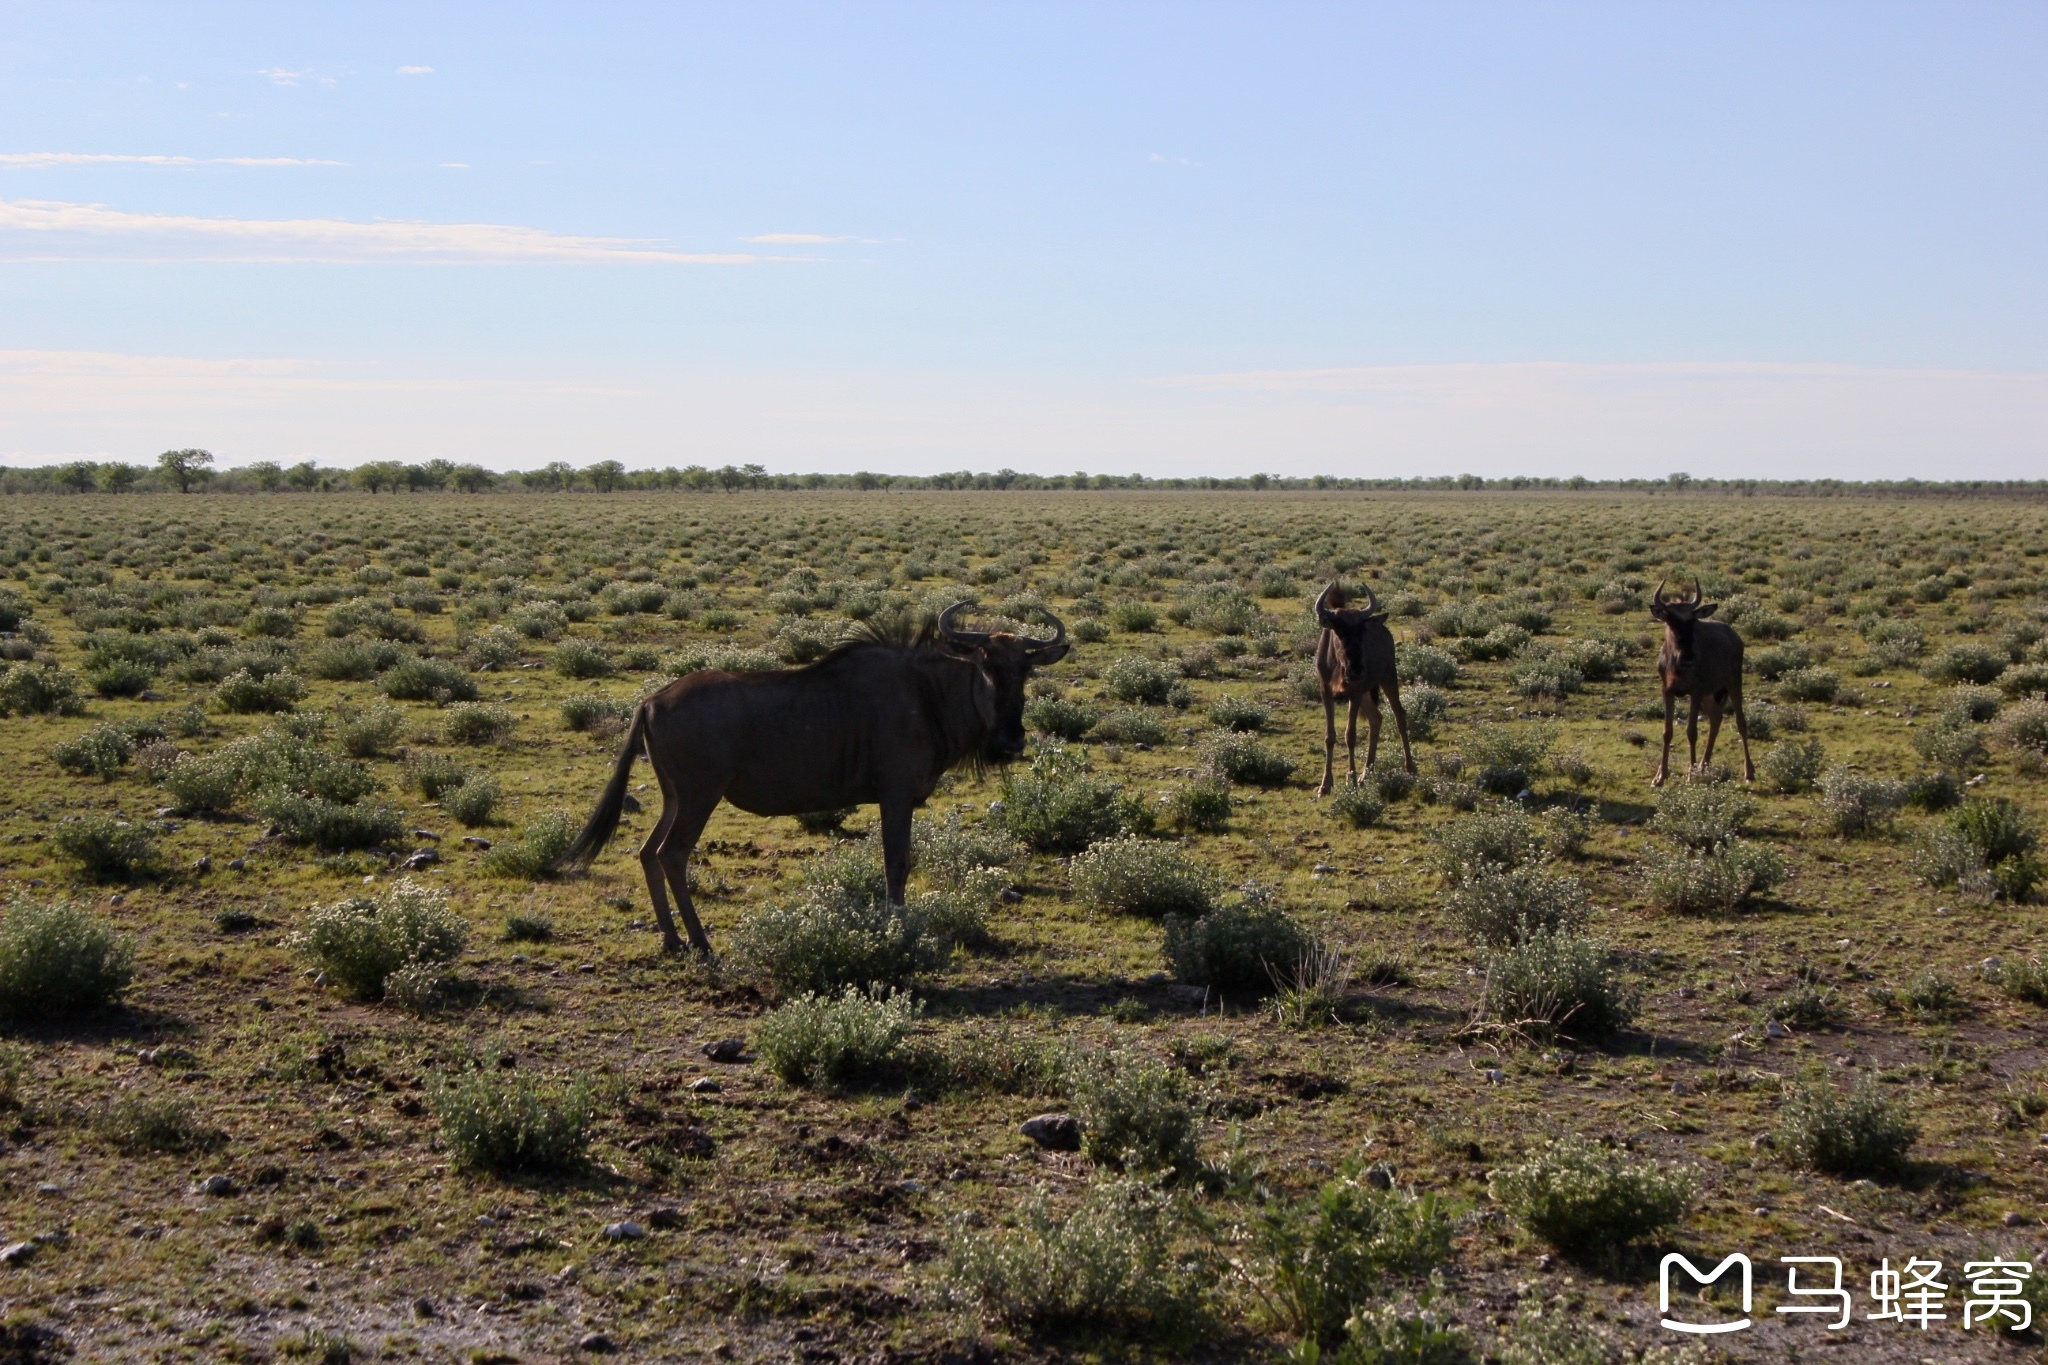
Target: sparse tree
(185,467)
(472,478)
(80,476)
(118,478)
(378,475)
(697,478)
(266,475)
(605,475)
(305,476)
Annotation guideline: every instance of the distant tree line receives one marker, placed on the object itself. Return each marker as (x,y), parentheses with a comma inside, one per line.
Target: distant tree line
(192,471)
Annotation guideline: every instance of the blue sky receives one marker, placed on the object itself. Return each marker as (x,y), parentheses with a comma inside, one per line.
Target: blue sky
(1178,238)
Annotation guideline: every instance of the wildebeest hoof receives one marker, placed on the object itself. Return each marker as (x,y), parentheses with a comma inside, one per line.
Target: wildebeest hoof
(726,1050)
(1054,1132)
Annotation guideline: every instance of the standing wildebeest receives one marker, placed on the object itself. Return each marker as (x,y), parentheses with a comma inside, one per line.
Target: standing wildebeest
(1701,659)
(1355,660)
(873,721)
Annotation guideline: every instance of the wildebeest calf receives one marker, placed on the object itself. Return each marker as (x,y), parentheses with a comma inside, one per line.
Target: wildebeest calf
(1355,662)
(1701,659)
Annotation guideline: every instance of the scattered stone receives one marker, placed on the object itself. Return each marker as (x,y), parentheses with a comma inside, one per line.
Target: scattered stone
(1157,979)
(237,864)
(426,834)
(423,1307)
(586,967)
(51,1187)
(665,1217)
(1054,1132)
(476,841)
(17,1253)
(1680,1088)
(2016,1219)
(626,1231)
(425,857)
(1380,1175)
(911,1186)
(1495,1076)
(204,864)
(1010,895)
(1774,1029)
(726,1050)
(597,1343)
(704,1085)
(218,1186)
(408,1106)
(1189,995)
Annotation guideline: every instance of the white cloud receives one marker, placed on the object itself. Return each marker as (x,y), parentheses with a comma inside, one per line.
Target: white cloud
(415,70)
(50,231)
(455,165)
(794,239)
(36,161)
(283,76)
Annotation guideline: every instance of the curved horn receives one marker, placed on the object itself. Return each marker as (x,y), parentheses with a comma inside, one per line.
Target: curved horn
(1697,596)
(1660,592)
(965,639)
(1059,632)
(1323,612)
(1372,601)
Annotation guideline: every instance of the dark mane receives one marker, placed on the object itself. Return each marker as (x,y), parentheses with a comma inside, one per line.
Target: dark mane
(903,632)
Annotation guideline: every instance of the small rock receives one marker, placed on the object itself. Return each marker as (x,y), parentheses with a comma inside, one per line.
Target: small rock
(726,1049)
(1380,1175)
(911,1186)
(476,841)
(1010,895)
(704,1085)
(17,1253)
(423,1307)
(2016,1219)
(408,1106)
(216,1185)
(665,1218)
(166,812)
(1495,1076)
(597,1343)
(995,808)
(203,864)
(626,1231)
(1189,995)
(425,857)
(426,834)
(1157,979)
(237,864)
(1054,1132)
(50,1187)
(1544,1262)
(586,967)
(1774,1029)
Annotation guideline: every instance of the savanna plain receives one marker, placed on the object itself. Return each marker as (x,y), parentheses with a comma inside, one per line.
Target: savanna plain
(309,1054)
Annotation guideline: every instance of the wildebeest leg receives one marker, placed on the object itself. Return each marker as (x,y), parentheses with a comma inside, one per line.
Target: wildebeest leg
(896,847)
(1742,728)
(1401,724)
(691,817)
(1351,736)
(1329,740)
(1713,729)
(1372,732)
(1664,763)
(650,864)
(1692,735)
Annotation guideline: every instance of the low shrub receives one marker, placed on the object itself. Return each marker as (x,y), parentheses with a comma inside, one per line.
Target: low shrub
(2025,980)
(1934,792)
(1132,725)
(1242,759)
(1135,876)
(1110,1266)
(1236,950)
(1498,908)
(476,723)
(1808,1006)
(1967,663)
(575,659)
(475,801)
(1057,807)
(1132,618)
(1970,705)
(435,775)
(849,872)
(58,959)
(360,942)
(509,1123)
(527,928)
(136,1123)
(353,660)
(1239,713)
(100,752)
(1557,983)
(1199,807)
(1856,806)
(1358,805)
(1584,1198)
(107,848)
(1315,1262)
(38,690)
(242,693)
(1689,882)
(1396,1334)
(1392,781)
(1135,679)
(1425,664)
(1927,995)
(423,679)
(332,825)
(589,712)
(1809,684)
(1136,1112)
(954,854)
(1791,766)
(1550,676)
(1701,815)
(1508,757)
(823,944)
(119,677)
(1060,718)
(2024,726)
(2025,680)
(201,786)
(1426,707)
(1495,839)
(1778,660)
(371,733)
(1861,1133)
(1985,847)
(541,843)
(854,1038)
(1951,743)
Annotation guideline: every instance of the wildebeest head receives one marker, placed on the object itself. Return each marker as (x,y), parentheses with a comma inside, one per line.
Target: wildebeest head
(1681,615)
(1003,662)
(1349,625)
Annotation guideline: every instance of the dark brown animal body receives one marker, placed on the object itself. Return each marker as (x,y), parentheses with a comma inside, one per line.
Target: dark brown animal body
(873,722)
(1355,663)
(1701,659)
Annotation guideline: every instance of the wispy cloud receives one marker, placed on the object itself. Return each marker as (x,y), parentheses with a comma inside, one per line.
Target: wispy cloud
(37,161)
(455,165)
(415,70)
(279,75)
(794,239)
(47,230)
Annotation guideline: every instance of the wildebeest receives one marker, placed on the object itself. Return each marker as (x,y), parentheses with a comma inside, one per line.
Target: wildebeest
(1355,661)
(1701,659)
(876,720)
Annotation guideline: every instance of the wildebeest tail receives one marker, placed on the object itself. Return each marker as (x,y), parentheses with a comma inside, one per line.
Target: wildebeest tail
(604,821)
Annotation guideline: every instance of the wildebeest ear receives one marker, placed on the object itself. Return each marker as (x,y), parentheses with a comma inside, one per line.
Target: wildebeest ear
(1704,609)
(1046,655)
(1657,612)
